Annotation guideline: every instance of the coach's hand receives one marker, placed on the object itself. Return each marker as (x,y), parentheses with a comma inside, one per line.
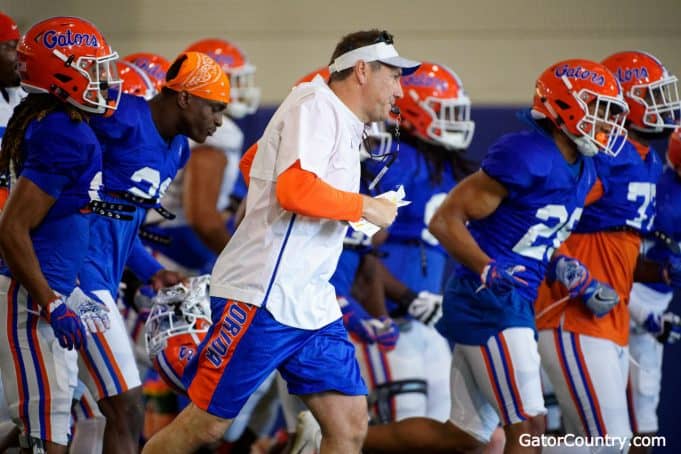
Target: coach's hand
(67,326)
(380,212)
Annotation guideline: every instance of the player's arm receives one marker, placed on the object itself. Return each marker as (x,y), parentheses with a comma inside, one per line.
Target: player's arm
(303,192)
(475,197)
(368,287)
(16,246)
(202,183)
(148,269)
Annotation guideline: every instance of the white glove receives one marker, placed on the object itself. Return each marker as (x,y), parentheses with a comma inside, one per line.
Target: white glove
(93,313)
(426,308)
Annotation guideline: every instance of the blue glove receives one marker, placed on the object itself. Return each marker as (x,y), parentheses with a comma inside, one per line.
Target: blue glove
(500,277)
(671,271)
(600,298)
(386,332)
(570,272)
(369,330)
(67,326)
(666,327)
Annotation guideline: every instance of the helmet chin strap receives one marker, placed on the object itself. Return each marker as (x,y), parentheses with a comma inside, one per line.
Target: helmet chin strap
(585,145)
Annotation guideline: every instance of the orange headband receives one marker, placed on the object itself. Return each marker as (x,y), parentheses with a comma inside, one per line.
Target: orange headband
(201,76)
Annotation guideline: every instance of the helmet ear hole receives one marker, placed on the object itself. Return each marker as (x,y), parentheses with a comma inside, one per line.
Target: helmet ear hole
(563,105)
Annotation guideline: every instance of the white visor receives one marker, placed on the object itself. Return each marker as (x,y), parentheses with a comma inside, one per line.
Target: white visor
(385,53)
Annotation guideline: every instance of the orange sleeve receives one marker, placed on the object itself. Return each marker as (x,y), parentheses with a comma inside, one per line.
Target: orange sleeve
(595,193)
(305,193)
(247,161)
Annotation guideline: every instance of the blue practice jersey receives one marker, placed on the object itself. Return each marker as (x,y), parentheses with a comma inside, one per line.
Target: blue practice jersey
(413,254)
(629,187)
(137,161)
(545,201)
(667,221)
(64,159)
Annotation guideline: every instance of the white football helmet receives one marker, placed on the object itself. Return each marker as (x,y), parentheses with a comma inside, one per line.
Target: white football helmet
(178,310)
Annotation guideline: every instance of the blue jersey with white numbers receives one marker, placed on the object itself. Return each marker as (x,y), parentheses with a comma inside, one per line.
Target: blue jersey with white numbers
(413,254)
(137,160)
(667,221)
(64,159)
(545,200)
(629,187)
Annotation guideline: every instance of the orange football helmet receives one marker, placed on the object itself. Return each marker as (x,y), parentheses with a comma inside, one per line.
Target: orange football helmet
(674,149)
(584,99)
(323,71)
(244,93)
(135,81)
(69,58)
(651,92)
(435,107)
(154,65)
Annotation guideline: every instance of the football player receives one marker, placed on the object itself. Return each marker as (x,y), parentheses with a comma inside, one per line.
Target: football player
(200,195)
(144,144)
(503,224)
(584,351)
(55,162)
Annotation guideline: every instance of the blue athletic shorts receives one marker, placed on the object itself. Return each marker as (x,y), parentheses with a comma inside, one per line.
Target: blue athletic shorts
(245,344)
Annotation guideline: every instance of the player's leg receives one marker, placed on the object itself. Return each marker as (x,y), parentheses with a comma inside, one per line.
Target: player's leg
(590,377)
(9,432)
(396,380)
(472,421)
(506,371)
(109,370)
(643,390)
(88,423)
(436,353)
(38,375)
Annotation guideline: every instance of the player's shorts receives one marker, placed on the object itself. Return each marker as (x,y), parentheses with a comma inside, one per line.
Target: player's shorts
(410,380)
(245,344)
(589,376)
(499,380)
(108,366)
(38,375)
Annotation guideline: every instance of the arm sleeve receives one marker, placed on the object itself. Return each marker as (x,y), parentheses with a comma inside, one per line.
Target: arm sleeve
(303,192)
(246,163)
(141,262)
